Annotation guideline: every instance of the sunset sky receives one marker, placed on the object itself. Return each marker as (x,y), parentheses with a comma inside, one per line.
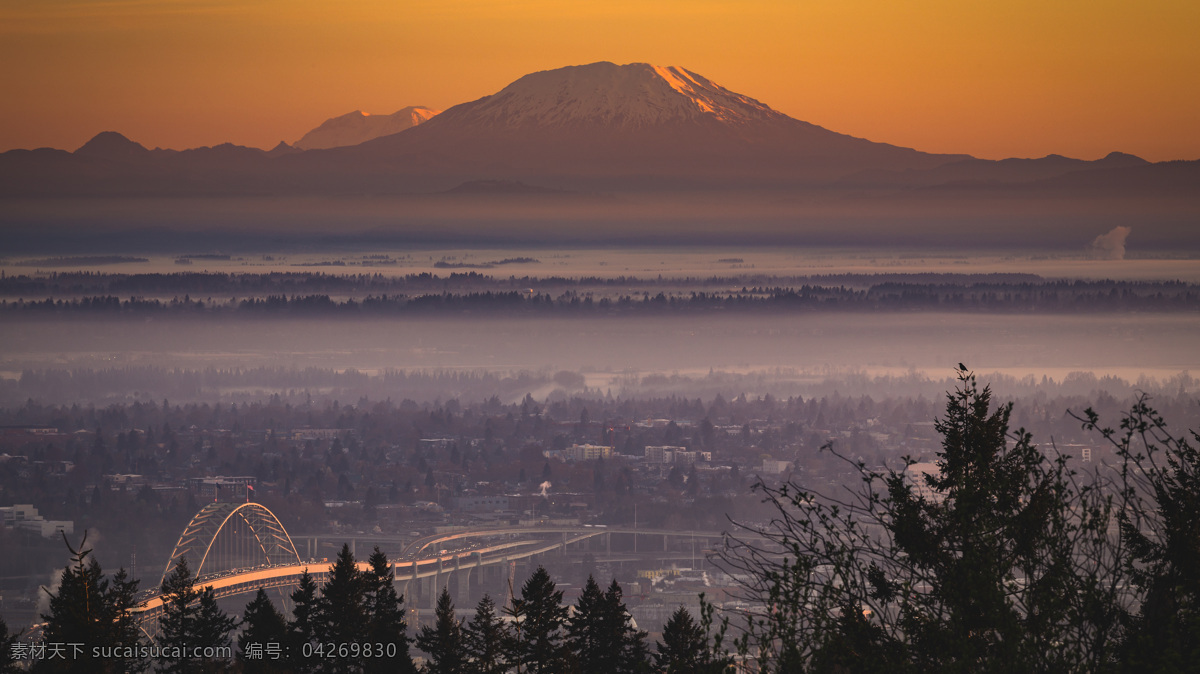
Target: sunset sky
(990,78)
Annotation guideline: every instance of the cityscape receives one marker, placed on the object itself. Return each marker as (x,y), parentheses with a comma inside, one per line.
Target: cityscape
(566,338)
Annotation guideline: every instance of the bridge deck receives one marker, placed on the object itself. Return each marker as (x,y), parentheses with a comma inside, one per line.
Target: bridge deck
(250,580)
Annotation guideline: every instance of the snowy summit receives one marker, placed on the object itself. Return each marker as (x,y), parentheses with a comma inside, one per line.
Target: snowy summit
(633,95)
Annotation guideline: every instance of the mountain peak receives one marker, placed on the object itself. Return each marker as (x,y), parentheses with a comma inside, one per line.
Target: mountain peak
(636,95)
(282,148)
(590,126)
(357,127)
(110,144)
(1122,159)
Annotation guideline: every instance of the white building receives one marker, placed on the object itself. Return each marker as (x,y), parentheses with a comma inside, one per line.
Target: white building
(668,454)
(26,517)
(662,454)
(587,452)
(686,458)
(775,467)
(915,475)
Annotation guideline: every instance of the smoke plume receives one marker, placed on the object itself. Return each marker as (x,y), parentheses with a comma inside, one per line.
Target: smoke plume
(1110,246)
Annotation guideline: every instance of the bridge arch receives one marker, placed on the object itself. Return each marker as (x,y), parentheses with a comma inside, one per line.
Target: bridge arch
(223,536)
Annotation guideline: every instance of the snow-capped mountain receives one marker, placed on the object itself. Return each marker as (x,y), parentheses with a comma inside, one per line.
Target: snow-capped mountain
(357,127)
(631,96)
(610,126)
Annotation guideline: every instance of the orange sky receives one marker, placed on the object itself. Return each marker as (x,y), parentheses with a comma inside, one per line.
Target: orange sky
(993,78)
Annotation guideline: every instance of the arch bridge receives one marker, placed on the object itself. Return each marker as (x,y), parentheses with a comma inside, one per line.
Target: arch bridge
(224,537)
(238,548)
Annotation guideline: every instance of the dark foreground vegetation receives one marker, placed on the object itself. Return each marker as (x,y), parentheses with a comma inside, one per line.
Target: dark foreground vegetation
(1004,559)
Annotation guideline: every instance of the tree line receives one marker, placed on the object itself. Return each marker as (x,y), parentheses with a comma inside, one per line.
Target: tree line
(355,622)
(1047,297)
(275,283)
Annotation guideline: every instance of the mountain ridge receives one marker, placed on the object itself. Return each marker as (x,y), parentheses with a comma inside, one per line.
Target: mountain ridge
(594,128)
(357,127)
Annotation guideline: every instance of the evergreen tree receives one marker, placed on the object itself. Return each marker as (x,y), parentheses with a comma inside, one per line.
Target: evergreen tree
(601,633)
(588,635)
(75,615)
(190,619)
(7,664)
(444,641)
(385,623)
(177,623)
(212,626)
(1003,515)
(302,628)
(484,638)
(684,646)
(1000,562)
(263,624)
(341,615)
(121,599)
(630,642)
(92,611)
(536,642)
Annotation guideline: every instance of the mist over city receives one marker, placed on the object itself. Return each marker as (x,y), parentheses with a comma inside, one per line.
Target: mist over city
(474,338)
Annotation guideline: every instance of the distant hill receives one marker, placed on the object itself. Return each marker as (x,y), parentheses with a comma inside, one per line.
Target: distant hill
(977,171)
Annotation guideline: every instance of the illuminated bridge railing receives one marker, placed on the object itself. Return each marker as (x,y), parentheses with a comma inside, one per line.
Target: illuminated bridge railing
(513,544)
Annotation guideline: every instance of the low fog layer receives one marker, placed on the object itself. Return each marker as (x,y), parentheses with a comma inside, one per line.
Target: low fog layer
(606,349)
(944,219)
